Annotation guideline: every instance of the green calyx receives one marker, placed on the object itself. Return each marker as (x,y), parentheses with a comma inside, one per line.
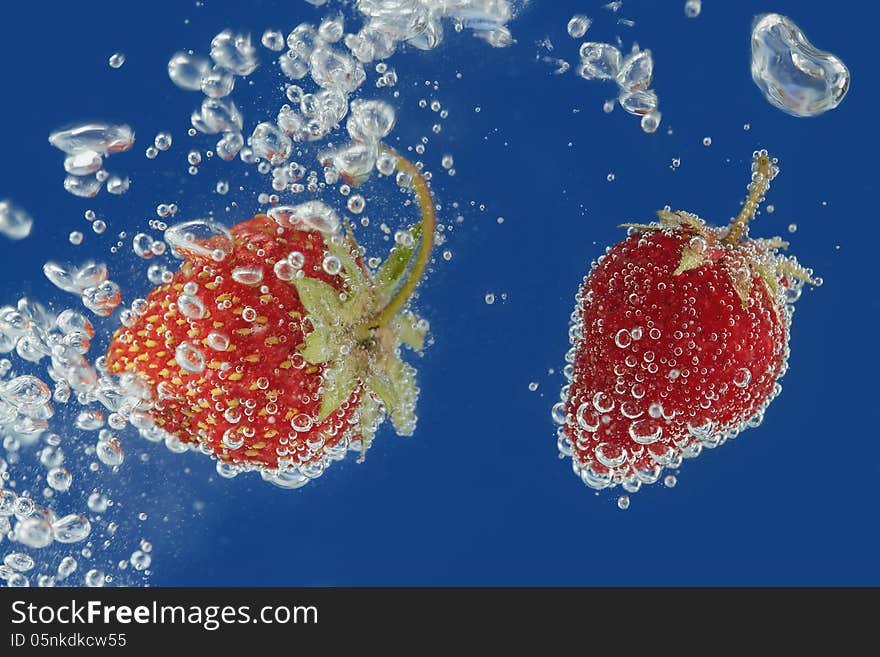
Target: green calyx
(747,259)
(358,335)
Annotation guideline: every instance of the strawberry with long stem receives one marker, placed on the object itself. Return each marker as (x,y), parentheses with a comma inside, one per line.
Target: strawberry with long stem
(270,357)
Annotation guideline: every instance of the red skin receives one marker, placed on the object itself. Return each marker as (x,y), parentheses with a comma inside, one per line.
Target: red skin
(265,368)
(633,285)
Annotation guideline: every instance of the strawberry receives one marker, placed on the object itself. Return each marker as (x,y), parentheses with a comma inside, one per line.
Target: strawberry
(679,336)
(274,348)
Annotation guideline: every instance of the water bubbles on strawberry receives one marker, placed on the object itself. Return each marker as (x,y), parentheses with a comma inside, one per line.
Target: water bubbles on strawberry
(247,275)
(189,358)
(663,401)
(742,377)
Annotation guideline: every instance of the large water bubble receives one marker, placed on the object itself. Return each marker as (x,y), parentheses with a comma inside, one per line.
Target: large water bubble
(794,75)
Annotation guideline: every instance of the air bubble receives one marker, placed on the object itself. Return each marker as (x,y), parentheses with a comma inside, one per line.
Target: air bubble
(332,265)
(794,75)
(578,26)
(247,275)
(692,8)
(189,358)
(742,377)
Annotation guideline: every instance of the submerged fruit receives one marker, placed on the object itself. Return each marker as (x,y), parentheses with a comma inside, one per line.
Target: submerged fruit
(680,334)
(274,347)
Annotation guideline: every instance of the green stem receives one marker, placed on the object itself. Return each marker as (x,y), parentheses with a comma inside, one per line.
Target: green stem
(429,222)
(764,170)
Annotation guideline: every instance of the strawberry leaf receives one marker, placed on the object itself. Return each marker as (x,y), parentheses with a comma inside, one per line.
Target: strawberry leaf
(690,259)
(741,278)
(690,220)
(645,228)
(318,347)
(768,275)
(341,250)
(668,218)
(393,269)
(339,382)
(320,300)
(395,385)
(793,269)
(410,331)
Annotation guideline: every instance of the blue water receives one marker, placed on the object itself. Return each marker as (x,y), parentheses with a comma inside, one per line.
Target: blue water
(478,496)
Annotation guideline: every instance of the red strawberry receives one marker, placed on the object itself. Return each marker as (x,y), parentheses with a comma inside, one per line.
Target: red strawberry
(679,336)
(273,347)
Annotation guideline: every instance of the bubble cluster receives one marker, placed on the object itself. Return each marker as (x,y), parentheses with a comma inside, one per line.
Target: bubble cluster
(50,377)
(85,147)
(631,73)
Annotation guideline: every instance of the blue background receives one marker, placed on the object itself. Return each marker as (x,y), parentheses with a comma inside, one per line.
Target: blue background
(478,495)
